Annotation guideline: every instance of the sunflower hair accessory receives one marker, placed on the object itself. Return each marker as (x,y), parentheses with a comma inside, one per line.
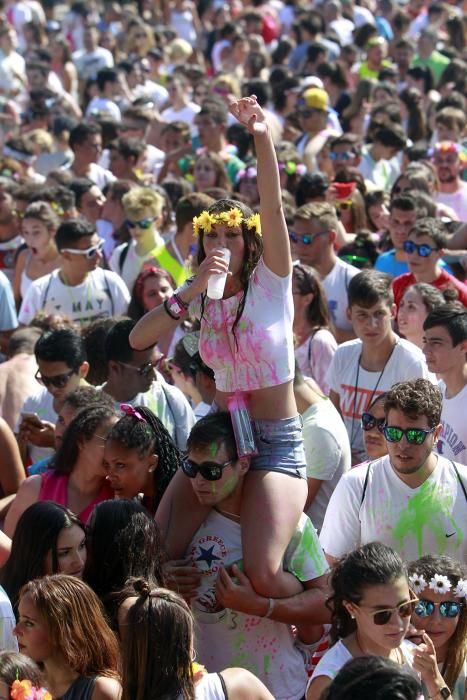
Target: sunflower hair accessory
(233,218)
(24,690)
(438,584)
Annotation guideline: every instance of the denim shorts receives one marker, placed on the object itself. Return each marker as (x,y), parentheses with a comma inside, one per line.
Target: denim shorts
(280,446)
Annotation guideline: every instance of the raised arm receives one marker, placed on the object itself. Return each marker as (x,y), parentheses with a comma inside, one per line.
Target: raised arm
(276,246)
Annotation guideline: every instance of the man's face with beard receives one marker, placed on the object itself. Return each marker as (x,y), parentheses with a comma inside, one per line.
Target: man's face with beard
(447,166)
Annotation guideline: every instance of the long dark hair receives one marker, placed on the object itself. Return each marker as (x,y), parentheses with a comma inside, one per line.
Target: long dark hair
(373,678)
(251,256)
(123,541)
(145,436)
(81,429)
(456,654)
(317,312)
(36,535)
(157,645)
(370,565)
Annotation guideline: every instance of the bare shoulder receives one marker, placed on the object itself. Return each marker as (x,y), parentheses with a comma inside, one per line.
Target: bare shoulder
(107,689)
(243,685)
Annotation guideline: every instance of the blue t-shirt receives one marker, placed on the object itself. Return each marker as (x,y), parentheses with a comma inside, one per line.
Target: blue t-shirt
(386,262)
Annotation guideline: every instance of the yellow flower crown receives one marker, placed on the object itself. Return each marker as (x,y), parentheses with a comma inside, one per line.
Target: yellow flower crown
(232,217)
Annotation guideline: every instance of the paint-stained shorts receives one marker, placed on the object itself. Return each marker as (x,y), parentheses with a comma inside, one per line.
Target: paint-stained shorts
(280,446)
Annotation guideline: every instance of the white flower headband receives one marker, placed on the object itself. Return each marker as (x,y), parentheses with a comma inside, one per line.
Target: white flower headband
(439,584)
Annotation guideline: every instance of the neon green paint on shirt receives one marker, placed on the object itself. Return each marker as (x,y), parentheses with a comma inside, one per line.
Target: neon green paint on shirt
(267,664)
(307,548)
(428,509)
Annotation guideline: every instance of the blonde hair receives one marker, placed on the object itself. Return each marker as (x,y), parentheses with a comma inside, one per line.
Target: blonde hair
(42,139)
(140,198)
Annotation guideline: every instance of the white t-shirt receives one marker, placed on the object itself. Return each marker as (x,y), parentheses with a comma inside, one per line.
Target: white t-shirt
(170,405)
(133,262)
(336,284)
(102,294)
(327,451)
(406,362)
(42,403)
(103,104)
(227,638)
(452,442)
(209,688)
(429,519)
(8,641)
(456,200)
(89,63)
(381,173)
(186,114)
(100,176)
(314,357)
(339,655)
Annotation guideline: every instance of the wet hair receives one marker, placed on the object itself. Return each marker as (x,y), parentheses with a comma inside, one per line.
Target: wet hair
(414,398)
(373,564)
(80,431)
(61,345)
(157,645)
(14,666)
(149,435)
(452,317)
(213,429)
(370,287)
(36,535)
(373,678)
(252,253)
(76,624)
(124,541)
(427,566)
(307,281)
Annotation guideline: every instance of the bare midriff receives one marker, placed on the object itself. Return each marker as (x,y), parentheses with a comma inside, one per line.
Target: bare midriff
(271,403)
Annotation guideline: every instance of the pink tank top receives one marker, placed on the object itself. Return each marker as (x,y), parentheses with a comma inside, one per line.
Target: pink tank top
(54,487)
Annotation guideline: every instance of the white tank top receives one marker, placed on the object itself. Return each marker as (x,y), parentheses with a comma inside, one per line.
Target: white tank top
(209,688)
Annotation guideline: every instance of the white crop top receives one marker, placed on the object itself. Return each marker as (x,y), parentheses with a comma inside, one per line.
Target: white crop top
(263,355)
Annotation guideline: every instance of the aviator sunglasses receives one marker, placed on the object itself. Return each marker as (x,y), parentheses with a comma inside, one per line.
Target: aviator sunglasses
(448,608)
(211,471)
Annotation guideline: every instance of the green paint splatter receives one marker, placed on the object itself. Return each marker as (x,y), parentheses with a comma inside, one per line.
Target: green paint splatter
(308,547)
(428,509)
(267,664)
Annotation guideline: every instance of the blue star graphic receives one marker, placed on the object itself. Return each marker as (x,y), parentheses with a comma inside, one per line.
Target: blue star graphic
(207,555)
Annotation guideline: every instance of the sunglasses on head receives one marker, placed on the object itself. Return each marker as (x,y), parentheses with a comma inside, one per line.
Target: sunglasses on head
(423,250)
(88,252)
(142,223)
(306,238)
(382,617)
(58,381)
(369,422)
(448,608)
(211,471)
(414,436)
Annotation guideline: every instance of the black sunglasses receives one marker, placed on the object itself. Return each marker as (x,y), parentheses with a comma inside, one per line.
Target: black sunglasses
(59,381)
(369,422)
(211,471)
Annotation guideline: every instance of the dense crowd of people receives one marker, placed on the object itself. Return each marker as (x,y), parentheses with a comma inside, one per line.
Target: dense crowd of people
(233,337)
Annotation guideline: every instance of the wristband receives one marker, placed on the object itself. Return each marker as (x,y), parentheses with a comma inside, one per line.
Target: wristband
(167,310)
(271,603)
(180,301)
(174,308)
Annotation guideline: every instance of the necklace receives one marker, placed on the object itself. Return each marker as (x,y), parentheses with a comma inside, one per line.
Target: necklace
(368,403)
(229,515)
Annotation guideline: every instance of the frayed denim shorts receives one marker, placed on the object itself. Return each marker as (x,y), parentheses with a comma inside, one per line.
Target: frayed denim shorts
(280,446)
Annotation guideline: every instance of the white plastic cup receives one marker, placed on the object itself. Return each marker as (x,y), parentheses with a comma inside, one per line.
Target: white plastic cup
(216,283)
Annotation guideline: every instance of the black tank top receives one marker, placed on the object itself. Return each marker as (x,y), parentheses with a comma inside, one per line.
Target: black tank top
(81,689)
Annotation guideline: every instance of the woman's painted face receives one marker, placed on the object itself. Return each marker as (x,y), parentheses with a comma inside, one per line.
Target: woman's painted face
(439,628)
(411,316)
(205,174)
(382,597)
(155,291)
(36,235)
(32,632)
(224,236)
(129,471)
(375,444)
(71,552)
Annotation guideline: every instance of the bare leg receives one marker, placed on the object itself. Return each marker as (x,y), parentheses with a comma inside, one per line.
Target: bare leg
(272,504)
(179,515)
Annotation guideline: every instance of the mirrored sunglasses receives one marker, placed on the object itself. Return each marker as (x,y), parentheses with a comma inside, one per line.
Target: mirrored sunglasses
(448,608)
(369,422)
(414,436)
(422,249)
(142,223)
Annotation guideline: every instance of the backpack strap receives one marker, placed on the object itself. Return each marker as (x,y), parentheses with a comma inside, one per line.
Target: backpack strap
(46,293)
(459,479)
(123,256)
(365,483)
